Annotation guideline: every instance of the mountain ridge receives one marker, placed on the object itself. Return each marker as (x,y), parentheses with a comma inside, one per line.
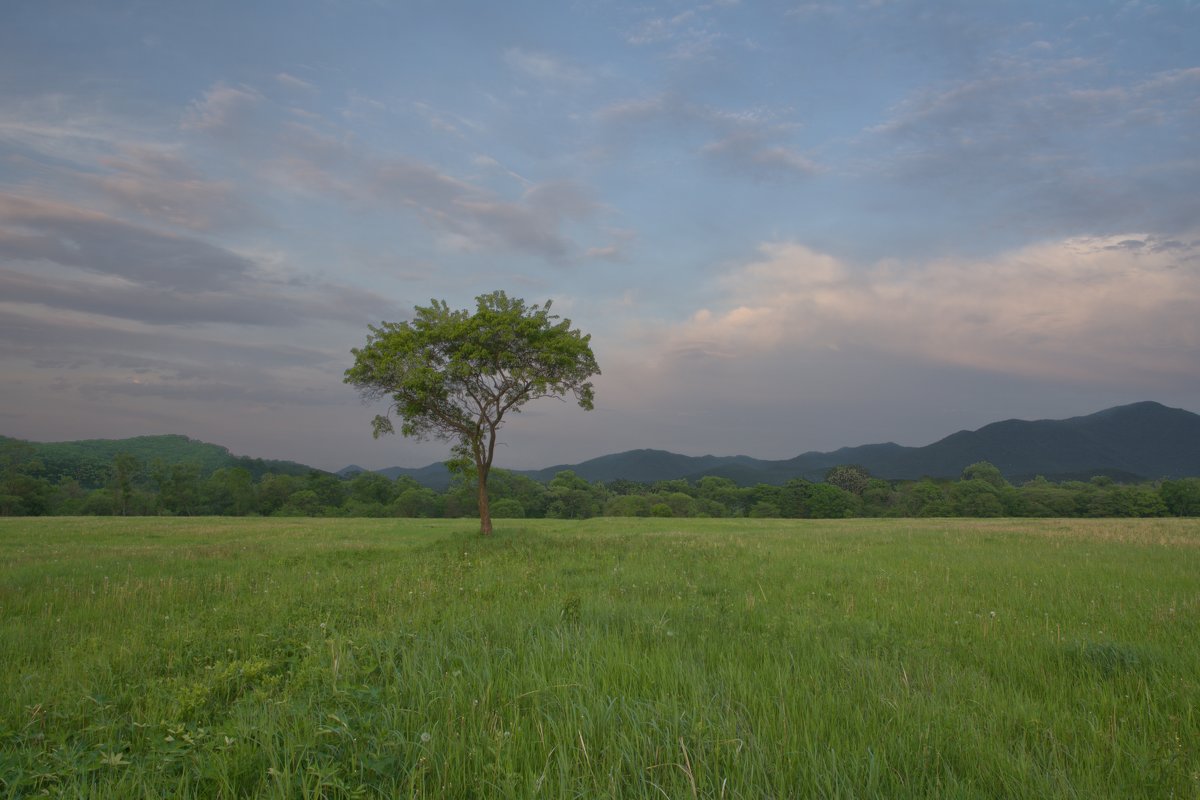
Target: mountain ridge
(88,460)
(1137,441)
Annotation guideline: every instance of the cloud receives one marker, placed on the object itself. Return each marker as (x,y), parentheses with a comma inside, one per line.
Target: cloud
(223,109)
(1034,148)
(440,121)
(84,338)
(654,30)
(118,167)
(1088,309)
(61,128)
(253,303)
(616,250)
(689,35)
(97,365)
(157,182)
(63,257)
(465,215)
(478,218)
(292,82)
(34,230)
(320,158)
(545,68)
(488,163)
(746,141)
(746,151)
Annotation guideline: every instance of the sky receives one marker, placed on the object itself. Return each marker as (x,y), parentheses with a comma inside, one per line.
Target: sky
(787,226)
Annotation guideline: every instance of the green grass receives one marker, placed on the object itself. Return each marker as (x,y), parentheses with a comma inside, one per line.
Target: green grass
(608,658)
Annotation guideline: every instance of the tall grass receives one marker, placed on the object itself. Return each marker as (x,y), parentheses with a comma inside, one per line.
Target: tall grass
(608,658)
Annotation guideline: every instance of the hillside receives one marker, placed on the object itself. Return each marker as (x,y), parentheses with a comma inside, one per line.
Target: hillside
(1144,440)
(1134,442)
(88,461)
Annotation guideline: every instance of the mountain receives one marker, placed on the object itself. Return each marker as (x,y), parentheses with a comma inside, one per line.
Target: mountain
(646,466)
(88,461)
(1146,440)
(1129,443)
(434,476)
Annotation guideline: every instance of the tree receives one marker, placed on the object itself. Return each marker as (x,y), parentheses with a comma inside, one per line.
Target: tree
(418,502)
(124,467)
(229,491)
(572,497)
(976,497)
(372,488)
(22,491)
(851,477)
(178,486)
(454,376)
(925,498)
(984,471)
(1182,497)
(826,501)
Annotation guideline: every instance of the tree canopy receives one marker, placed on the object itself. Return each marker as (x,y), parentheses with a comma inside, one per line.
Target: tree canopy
(454,375)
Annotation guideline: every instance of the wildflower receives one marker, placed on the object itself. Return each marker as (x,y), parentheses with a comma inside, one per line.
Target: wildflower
(425,737)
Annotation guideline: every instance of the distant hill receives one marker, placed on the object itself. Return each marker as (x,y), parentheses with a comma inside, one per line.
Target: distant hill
(435,476)
(647,466)
(1142,440)
(1129,443)
(88,461)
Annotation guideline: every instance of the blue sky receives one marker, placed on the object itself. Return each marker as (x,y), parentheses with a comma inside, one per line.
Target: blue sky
(787,225)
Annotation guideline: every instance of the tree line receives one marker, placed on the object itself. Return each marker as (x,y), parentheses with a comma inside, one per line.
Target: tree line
(132,487)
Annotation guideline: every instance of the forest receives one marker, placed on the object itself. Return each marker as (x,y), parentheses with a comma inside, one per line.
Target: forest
(133,486)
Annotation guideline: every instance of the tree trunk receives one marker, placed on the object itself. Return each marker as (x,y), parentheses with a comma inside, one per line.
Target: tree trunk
(485,513)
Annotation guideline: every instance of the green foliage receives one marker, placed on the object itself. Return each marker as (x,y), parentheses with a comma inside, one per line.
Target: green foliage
(849,477)
(629,505)
(831,502)
(1040,498)
(508,508)
(23,492)
(1182,497)
(976,497)
(419,502)
(925,498)
(721,493)
(178,487)
(90,462)
(182,490)
(764,509)
(125,467)
(371,487)
(304,503)
(229,491)
(880,499)
(454,375)
(986,472)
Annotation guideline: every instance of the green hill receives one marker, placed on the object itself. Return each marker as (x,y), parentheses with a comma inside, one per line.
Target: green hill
(1140,441)
(88,461)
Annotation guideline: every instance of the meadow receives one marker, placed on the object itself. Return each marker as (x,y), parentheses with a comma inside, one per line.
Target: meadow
(623,658)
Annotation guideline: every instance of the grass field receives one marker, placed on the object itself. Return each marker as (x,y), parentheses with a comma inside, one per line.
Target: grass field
(607,658)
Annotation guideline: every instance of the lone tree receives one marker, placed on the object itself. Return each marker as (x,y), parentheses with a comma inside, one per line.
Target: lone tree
(453,375)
